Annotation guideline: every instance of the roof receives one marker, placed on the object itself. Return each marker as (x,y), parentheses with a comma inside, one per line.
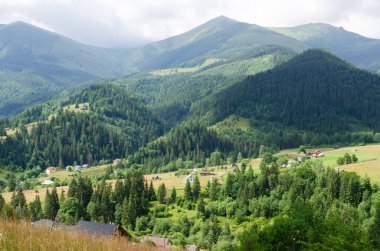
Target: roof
(96,228)
(43,223)
(159,241)
(51,168)
(49,224)
(47,182)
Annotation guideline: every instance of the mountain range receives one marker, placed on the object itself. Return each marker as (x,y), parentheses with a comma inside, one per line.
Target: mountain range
(37,65)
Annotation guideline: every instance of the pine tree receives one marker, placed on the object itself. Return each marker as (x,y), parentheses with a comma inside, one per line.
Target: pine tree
(354,158)
(18,202)
(151,192)
(118,193)
(201,210)
(214,191)
(161,193)
(12,183)
(188,194)
(35,209)
(173,195)
(196,188)
(51,204)
(2,202)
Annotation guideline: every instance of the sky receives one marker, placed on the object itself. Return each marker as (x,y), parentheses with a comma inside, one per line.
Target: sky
(128,23)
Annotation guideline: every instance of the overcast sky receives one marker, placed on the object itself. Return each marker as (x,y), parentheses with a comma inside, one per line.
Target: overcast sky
(126,23)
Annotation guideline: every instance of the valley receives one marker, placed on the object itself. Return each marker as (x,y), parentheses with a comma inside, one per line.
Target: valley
(230,136)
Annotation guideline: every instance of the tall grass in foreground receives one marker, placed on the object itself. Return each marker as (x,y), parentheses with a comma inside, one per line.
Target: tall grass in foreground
(21,235)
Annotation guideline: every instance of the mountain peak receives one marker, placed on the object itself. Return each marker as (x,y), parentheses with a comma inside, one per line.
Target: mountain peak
(222,20)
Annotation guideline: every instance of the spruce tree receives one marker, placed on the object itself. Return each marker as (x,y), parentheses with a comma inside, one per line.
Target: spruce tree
(188,194)
(51,204)
(151,192)
(35,209)
(173,195)
(196,188)
(2,202)
(161,193)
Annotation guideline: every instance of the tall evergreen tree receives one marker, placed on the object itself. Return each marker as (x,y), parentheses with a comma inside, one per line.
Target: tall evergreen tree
(196,188)
(35,209)
(188,194)
(161,193)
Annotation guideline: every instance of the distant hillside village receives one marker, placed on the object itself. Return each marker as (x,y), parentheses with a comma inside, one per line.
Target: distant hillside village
(50,170)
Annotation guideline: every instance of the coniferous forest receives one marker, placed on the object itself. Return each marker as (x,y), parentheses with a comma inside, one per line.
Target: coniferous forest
(221,110)
(307,207)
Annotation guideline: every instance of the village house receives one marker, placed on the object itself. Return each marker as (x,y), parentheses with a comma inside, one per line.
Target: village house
(158,241)
(206,172)
(317,154)
(50,170)
(100,229)
(116,161)
(85,166)
(47,182)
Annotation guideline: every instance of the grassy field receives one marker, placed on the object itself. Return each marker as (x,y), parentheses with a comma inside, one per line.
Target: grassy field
(30,195)
(368,164)
(232,121)
(22,236)
(169,179)
(79,109)
(207,62)
(65,175)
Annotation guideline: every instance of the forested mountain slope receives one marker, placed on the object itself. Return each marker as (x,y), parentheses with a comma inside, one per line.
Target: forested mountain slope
(362,51)
(313,91)
(313,99)
(220,37)
(36,64)
(114,125)
(171,95)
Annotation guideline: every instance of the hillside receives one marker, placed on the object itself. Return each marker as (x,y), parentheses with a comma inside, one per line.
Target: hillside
(220,37)
(37,64)
(170,95)
(114,125)
(314,93)
(362,51)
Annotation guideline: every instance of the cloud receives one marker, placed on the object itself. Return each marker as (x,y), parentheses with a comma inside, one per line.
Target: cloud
(122,23)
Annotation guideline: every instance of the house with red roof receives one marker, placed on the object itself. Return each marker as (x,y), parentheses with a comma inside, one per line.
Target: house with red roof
(50,170)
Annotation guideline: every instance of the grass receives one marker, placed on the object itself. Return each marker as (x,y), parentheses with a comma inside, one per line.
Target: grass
(30,195)
(170,180)
(65,175)
(72,107)
(165,72)
(368,155)
(22,236)
(232,121)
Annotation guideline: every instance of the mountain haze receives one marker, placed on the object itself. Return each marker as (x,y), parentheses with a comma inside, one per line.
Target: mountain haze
(361,51)
(221,38)
(36,64)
